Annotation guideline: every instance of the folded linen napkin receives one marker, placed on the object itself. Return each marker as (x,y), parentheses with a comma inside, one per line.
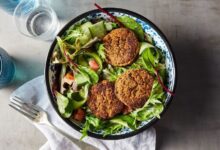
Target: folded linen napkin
(35,92)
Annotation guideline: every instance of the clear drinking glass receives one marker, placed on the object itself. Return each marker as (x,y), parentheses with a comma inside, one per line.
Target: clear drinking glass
(36,19)
(7,68)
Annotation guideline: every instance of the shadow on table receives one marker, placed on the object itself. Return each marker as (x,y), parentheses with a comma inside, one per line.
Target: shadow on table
(25,71)
(190,110)
(67,10)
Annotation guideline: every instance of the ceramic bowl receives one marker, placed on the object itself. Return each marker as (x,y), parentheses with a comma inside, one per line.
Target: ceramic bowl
(51,71)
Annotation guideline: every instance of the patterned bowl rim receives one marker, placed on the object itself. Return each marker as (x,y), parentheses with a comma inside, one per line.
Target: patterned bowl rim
(47,67)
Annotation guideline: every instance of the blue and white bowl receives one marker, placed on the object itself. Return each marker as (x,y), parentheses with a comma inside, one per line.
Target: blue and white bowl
(160,41)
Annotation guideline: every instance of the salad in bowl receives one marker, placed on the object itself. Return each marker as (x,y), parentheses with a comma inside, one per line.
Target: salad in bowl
(110,77)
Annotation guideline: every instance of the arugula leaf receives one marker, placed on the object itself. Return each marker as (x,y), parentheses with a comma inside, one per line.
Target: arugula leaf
(133,25)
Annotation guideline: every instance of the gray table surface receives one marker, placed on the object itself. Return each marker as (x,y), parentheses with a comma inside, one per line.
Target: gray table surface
(193,28)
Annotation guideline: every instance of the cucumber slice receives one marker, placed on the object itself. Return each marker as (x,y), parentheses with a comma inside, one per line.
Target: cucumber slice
(98,29)
(86,33)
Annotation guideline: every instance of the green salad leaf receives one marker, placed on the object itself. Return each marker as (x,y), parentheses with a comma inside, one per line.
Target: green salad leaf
(82,44)
(112,128)
(125,120)
(110,25)
(100,50)
(65,106)
(98,29)
(130,23)
(148,112)
(111,73)
(144,46)
(79,33)
(73,101)
(92,123)
(93,76)
(97,59)
(86,75)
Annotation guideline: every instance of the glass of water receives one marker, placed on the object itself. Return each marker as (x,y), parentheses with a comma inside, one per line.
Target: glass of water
(36,19)
(7,68)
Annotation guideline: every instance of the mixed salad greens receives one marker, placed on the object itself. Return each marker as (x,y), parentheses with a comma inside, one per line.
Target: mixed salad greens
(80,53)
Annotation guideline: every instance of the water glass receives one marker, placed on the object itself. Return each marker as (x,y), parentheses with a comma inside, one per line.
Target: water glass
(36,19)
(7,68)
(9,5)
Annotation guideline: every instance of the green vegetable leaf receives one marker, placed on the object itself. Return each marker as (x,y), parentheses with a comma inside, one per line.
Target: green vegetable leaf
(149,39)
(92,123)
(133,25)
(148,112)
(65,106)
(110,25)
(98,29)
(101,50)
(156,92)
(125,120)
(93,76)
(80,33)
(86,75)
(97,58)
(82,78)
(112,74)
(112,128)
(144,46)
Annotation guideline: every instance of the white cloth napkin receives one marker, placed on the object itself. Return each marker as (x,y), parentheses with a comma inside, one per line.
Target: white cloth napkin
(35,92)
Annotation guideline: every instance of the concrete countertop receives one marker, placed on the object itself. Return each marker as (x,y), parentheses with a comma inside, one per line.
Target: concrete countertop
(193,28)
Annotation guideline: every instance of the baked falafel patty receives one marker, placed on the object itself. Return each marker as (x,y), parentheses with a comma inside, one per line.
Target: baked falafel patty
(103,102)
(121,47)
(133,87)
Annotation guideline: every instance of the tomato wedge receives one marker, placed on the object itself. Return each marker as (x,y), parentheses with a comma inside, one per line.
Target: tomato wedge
(93,65)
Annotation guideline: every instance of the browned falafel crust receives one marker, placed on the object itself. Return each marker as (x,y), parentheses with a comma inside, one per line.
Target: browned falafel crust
(133,87)
(103,102)
(121,47)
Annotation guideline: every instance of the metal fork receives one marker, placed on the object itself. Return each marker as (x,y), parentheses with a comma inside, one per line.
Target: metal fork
(35,113)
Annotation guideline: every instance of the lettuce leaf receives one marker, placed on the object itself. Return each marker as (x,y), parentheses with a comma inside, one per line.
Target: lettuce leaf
(86,75)
(153,107)
(66,105)
(125,120)
(112,74)
(133,25)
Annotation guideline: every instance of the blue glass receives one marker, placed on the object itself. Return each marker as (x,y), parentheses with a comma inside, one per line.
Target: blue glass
(9,5)
(7,68)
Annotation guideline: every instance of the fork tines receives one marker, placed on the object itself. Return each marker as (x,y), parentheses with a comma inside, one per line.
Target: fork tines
(29,110)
